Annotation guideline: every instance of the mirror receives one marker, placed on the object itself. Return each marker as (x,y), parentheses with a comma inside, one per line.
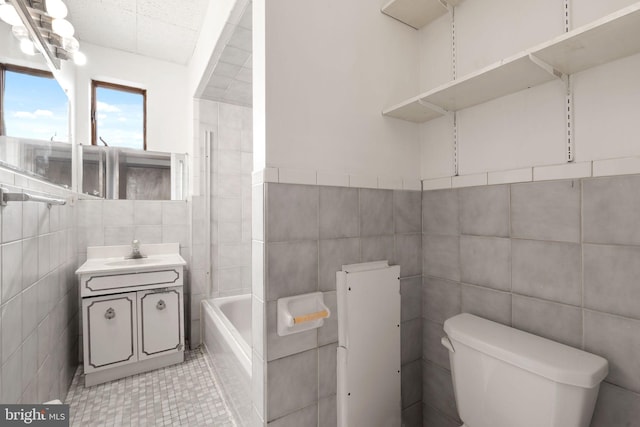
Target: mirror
(121,173)
(38,140)
(35,120)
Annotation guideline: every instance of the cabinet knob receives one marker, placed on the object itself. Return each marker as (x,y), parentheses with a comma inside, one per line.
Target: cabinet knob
(161,305)
(110,313)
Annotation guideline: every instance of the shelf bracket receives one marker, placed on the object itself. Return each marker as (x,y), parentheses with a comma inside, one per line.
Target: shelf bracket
(434,107)
(548,68)
(446,5)
(569,120)
(456,172)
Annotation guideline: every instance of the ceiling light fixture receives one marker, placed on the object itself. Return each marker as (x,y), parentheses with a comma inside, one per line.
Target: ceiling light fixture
(9,15)
(40,25)
(27,47)
(62,27)
(56,9)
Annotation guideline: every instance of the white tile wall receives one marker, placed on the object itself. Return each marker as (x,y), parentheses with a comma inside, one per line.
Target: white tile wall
(38,298)
(507,177)
(566,171)
(230,174)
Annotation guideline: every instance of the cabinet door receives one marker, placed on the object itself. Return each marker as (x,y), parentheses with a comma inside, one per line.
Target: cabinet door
(160,324)
(109,326)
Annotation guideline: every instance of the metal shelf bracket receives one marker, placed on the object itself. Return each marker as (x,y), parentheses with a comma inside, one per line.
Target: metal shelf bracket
(569,121)
(434,107)
(548,68)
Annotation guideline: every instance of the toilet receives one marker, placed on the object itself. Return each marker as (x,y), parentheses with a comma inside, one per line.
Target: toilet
(504,377)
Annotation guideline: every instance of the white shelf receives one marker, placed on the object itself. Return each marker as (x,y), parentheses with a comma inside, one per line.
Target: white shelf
(612,37)
(412,111)
(416,13)
(508,76)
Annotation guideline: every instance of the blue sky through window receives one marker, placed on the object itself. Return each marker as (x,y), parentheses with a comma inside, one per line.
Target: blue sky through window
(35,107)
(120,118)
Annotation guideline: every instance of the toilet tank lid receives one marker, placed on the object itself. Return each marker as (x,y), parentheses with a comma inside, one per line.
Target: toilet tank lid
(550,359)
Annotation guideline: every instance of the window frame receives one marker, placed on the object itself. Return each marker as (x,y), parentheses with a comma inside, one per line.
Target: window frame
(95,84)
(4,67)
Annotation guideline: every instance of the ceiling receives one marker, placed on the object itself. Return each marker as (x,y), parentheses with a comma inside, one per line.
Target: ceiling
(168,30)
(163,29)
(232,76)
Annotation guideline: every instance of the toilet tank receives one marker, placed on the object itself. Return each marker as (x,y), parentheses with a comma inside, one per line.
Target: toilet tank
(504,377)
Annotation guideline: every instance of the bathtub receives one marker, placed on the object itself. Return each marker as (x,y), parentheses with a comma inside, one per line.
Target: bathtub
(226,335)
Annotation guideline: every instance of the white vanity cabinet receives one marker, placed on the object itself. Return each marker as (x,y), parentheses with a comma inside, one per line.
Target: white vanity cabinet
(160,325)
(132,313)
(109,331)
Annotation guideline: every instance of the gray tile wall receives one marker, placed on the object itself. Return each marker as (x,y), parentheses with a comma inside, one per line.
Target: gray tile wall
(558,259)
(39,296)
(309,233)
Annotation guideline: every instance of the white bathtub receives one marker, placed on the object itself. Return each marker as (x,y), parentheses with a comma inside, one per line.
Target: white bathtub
(226,335)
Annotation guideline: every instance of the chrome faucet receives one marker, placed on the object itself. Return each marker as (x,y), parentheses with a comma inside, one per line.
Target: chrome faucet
(135,250)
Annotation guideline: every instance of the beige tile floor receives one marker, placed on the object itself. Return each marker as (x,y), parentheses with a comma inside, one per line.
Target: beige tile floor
(180,395)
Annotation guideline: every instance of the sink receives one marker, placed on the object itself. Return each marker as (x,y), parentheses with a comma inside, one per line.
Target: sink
(131,261)
(109,262)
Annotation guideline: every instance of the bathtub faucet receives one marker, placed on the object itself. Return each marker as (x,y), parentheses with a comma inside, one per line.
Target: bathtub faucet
(135,250)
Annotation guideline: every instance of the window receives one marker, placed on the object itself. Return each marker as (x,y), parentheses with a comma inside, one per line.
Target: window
(118,116)
(32,105)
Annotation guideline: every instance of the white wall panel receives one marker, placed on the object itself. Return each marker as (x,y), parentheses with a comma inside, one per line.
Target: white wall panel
(331,67)
(586,11)
(607,107)
(490,30)
(436,153)
(519,130)
(436,53)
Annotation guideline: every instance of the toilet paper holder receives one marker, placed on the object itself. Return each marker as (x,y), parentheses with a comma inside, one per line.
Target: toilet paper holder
(301,313)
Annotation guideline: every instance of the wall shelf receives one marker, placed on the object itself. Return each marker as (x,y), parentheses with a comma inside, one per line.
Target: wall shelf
(417,13)
(612,37)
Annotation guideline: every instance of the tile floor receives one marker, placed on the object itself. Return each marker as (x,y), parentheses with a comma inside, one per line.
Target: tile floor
(181,395)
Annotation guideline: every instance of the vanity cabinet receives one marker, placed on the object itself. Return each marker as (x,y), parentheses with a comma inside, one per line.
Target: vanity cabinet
(132,312)
(132,327)
(109,331)
(159,322)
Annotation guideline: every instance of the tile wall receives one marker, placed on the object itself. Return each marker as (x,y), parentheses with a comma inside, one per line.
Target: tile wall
(558,259)
(231,165)
(119,222)
(221,232)
(39,296)
(228,163)
(309,232)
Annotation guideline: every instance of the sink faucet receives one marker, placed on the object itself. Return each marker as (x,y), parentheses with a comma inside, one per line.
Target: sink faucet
(135,250)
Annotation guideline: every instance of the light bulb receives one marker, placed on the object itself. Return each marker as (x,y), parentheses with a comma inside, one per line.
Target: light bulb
(20,32)
(79,58)
(9,15)
(62,27)
(70,44)
(56,9)
(27,47)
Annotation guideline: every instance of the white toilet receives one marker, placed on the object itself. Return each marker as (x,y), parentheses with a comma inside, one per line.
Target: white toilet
(503,377)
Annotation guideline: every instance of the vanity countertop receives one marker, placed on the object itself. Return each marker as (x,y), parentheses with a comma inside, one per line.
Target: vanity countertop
(113,259)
